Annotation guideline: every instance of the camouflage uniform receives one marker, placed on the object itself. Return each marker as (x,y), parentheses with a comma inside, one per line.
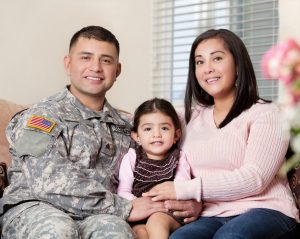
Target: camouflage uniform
(62,177)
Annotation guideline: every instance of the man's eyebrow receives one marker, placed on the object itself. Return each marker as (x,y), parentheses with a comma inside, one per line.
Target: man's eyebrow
(90,53)
(84,53)
(214,52)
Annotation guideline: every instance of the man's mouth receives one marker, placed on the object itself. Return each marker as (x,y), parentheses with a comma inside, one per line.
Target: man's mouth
(94,78)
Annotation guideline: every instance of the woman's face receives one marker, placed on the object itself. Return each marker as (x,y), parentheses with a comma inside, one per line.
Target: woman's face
(215,69)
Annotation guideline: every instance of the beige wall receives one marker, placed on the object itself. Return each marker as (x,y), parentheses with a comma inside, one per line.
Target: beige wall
(35,34)
(34,38)
(289,19)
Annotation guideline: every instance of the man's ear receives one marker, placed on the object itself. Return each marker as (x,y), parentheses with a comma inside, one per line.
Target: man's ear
(177,135)
(119,68)
(67,61)
(135,136)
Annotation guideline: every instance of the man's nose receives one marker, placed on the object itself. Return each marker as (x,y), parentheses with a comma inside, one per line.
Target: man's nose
(96,66)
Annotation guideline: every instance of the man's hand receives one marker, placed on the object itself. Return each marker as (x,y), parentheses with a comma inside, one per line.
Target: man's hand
(143,207)
(162,191)
(189,209)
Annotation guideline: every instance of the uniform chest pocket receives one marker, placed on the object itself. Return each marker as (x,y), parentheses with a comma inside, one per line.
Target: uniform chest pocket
(83,145)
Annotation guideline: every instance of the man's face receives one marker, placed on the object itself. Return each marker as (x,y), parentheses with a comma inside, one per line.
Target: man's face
(93,67)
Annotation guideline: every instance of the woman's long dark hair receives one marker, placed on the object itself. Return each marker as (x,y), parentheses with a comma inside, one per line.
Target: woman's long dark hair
(246,86)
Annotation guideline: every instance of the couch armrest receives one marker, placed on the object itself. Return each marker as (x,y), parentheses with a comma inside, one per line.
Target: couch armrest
(7,110)
(3,178)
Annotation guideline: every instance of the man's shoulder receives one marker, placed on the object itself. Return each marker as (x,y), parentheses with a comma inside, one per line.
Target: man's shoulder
(125,115)
(47,109)
(120,116)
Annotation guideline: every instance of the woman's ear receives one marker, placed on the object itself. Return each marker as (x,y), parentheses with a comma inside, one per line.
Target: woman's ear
(135,137)
(177,135)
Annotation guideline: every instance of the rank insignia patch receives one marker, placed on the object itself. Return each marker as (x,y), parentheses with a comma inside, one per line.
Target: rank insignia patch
(40,122)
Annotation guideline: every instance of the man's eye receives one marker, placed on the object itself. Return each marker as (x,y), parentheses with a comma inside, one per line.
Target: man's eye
(106,61)
(85,58)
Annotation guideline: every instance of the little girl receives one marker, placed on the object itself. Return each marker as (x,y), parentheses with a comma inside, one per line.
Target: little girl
(156,129)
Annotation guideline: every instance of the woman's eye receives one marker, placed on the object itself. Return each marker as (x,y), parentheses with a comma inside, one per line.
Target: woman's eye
(199,62)
(218,58)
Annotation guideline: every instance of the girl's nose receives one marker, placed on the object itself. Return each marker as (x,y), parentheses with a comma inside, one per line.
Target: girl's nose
(156,133)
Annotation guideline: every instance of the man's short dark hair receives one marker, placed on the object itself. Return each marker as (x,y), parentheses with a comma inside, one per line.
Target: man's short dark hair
(97,33)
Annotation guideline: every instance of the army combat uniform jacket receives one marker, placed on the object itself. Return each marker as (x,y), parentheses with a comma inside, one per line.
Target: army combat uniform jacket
(66,154)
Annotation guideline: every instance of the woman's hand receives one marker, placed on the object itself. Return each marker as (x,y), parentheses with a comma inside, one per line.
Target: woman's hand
(163,191)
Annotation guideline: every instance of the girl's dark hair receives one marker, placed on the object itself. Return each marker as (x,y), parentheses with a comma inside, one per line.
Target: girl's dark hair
(246,86)
(155,105)
(97,33)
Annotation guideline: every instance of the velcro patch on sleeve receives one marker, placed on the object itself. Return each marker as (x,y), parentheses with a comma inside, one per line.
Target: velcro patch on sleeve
(40,122)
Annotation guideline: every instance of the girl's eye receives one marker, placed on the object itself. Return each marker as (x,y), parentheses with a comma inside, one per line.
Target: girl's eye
(165,128)
(147,129)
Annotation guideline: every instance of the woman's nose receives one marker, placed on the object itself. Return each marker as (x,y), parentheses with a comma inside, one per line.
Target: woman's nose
(208,67)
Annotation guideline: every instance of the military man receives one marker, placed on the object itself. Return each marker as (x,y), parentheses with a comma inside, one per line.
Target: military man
(65,150)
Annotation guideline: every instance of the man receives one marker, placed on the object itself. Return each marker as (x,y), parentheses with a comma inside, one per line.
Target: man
(65,151)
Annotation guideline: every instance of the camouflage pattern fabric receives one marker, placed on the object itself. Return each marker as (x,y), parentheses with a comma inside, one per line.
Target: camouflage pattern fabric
(33,220)
(67,155)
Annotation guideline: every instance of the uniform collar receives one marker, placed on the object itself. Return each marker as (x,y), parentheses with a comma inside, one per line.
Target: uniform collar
(108,114)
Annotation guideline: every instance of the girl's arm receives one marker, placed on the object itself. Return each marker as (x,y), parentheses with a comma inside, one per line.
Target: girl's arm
(126,175)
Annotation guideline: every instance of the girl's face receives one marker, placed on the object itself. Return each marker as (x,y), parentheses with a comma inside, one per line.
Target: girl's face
(156,133)
(215,69)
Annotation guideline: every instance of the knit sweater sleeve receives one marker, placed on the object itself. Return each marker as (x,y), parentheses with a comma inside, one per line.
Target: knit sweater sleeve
(183,174)
(126,175)
(266,145)
(183,171)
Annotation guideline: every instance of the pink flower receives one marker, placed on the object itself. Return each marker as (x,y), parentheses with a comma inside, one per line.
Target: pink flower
(282,62)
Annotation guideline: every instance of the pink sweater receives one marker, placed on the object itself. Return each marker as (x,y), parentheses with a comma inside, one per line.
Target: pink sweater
(235,167)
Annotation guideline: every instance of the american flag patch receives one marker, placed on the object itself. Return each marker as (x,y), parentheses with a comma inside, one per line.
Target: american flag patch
(40,122)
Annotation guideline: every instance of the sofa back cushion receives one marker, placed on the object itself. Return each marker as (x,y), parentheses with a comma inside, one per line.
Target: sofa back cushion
(7,111)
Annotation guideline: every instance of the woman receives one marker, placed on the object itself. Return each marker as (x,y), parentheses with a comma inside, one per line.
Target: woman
(235,144)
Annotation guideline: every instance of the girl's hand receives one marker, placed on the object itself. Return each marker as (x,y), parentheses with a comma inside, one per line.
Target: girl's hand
(163,191)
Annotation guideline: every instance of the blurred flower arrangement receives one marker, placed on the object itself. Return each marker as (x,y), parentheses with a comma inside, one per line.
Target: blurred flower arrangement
(282,62)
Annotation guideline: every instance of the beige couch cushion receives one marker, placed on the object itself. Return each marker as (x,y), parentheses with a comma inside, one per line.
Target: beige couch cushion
(7,110)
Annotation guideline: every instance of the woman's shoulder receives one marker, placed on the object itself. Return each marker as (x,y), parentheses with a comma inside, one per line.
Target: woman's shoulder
(262,107)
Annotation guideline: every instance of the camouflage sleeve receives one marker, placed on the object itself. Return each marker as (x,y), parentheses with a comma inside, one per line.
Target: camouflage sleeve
(51,176)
